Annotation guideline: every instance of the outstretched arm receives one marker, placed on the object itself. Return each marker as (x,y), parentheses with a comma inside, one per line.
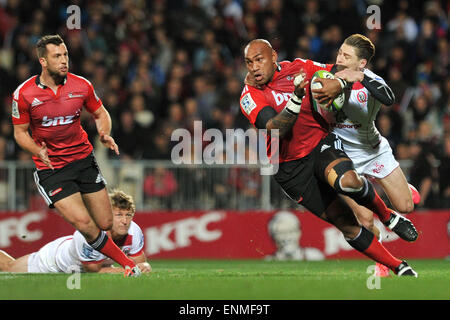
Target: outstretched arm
(143,266)
(377,88)
(140,260)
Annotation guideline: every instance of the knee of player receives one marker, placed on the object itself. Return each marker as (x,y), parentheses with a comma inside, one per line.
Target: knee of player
(350,231)
(350,181)
(367,222)
(105,224)
(82,224)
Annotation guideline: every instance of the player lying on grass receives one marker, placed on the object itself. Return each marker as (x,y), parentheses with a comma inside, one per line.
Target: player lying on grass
(313,167)
(69,253)
(354,124)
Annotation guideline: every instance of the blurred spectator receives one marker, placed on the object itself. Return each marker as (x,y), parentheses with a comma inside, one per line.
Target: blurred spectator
(404,26)
(385,126)
(160,186)
(158,148)
(128,135)
(422,174)
(444,174)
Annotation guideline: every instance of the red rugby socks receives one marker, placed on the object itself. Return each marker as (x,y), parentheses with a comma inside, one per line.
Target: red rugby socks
(105,245)
(367,243)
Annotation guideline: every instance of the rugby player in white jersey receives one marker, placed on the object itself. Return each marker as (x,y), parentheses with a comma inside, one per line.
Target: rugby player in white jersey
(71,253)
(354,124)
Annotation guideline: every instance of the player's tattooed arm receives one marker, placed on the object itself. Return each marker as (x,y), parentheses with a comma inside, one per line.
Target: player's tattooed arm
(283,121)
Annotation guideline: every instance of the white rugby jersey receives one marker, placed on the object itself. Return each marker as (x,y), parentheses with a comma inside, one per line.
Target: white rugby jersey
(355,123)
(70,251)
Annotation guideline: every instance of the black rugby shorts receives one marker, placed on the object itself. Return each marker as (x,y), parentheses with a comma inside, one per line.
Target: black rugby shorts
(82,176)
(303,180)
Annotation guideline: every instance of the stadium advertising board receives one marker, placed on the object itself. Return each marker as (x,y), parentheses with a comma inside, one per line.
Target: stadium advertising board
(234,235)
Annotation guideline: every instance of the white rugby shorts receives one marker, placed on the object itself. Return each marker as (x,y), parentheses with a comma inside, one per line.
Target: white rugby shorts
(376,162)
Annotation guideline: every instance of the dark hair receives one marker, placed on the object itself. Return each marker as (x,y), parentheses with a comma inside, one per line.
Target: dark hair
(365,49)
(41,45)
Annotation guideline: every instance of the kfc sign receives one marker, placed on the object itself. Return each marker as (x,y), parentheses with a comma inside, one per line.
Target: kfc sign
(272,235)
(17,227)
(178,234)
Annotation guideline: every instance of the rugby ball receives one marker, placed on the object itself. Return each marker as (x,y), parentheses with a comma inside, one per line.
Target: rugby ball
(338,102)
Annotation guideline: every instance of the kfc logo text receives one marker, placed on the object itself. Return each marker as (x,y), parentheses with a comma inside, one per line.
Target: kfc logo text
(18,227)
(178,234)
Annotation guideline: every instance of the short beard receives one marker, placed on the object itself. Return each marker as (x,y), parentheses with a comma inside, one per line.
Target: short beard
(56,76)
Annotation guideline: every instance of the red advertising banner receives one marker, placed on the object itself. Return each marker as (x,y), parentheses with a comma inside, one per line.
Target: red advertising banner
(234,235)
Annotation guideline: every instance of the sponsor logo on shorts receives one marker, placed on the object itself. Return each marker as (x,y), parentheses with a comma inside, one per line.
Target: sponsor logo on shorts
(53,192)
(100,178)
(378,168)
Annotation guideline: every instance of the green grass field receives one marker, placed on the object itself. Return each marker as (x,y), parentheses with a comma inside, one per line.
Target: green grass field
(238,280)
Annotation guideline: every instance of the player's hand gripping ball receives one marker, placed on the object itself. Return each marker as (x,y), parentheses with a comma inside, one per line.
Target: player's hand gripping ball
(337,103)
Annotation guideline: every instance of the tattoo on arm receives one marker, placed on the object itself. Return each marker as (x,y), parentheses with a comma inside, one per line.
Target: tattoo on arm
(282,121)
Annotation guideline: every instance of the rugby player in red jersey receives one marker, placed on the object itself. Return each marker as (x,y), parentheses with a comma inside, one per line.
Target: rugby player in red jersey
(67,176)
(313,167)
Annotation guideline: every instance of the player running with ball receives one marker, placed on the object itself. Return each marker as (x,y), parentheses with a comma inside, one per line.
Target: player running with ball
(354,125)
(67,175)
(313,169)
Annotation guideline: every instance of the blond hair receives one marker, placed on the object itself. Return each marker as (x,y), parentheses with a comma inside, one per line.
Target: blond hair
(122,201)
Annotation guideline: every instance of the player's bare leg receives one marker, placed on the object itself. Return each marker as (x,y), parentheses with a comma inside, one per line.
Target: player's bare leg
(99,208)
(74,210)
(5,260)
(397,189)
(16,265)
(342,218)
(365,217)
(342,176)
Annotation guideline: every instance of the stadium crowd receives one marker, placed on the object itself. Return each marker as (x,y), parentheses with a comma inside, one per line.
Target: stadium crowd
(160,65)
